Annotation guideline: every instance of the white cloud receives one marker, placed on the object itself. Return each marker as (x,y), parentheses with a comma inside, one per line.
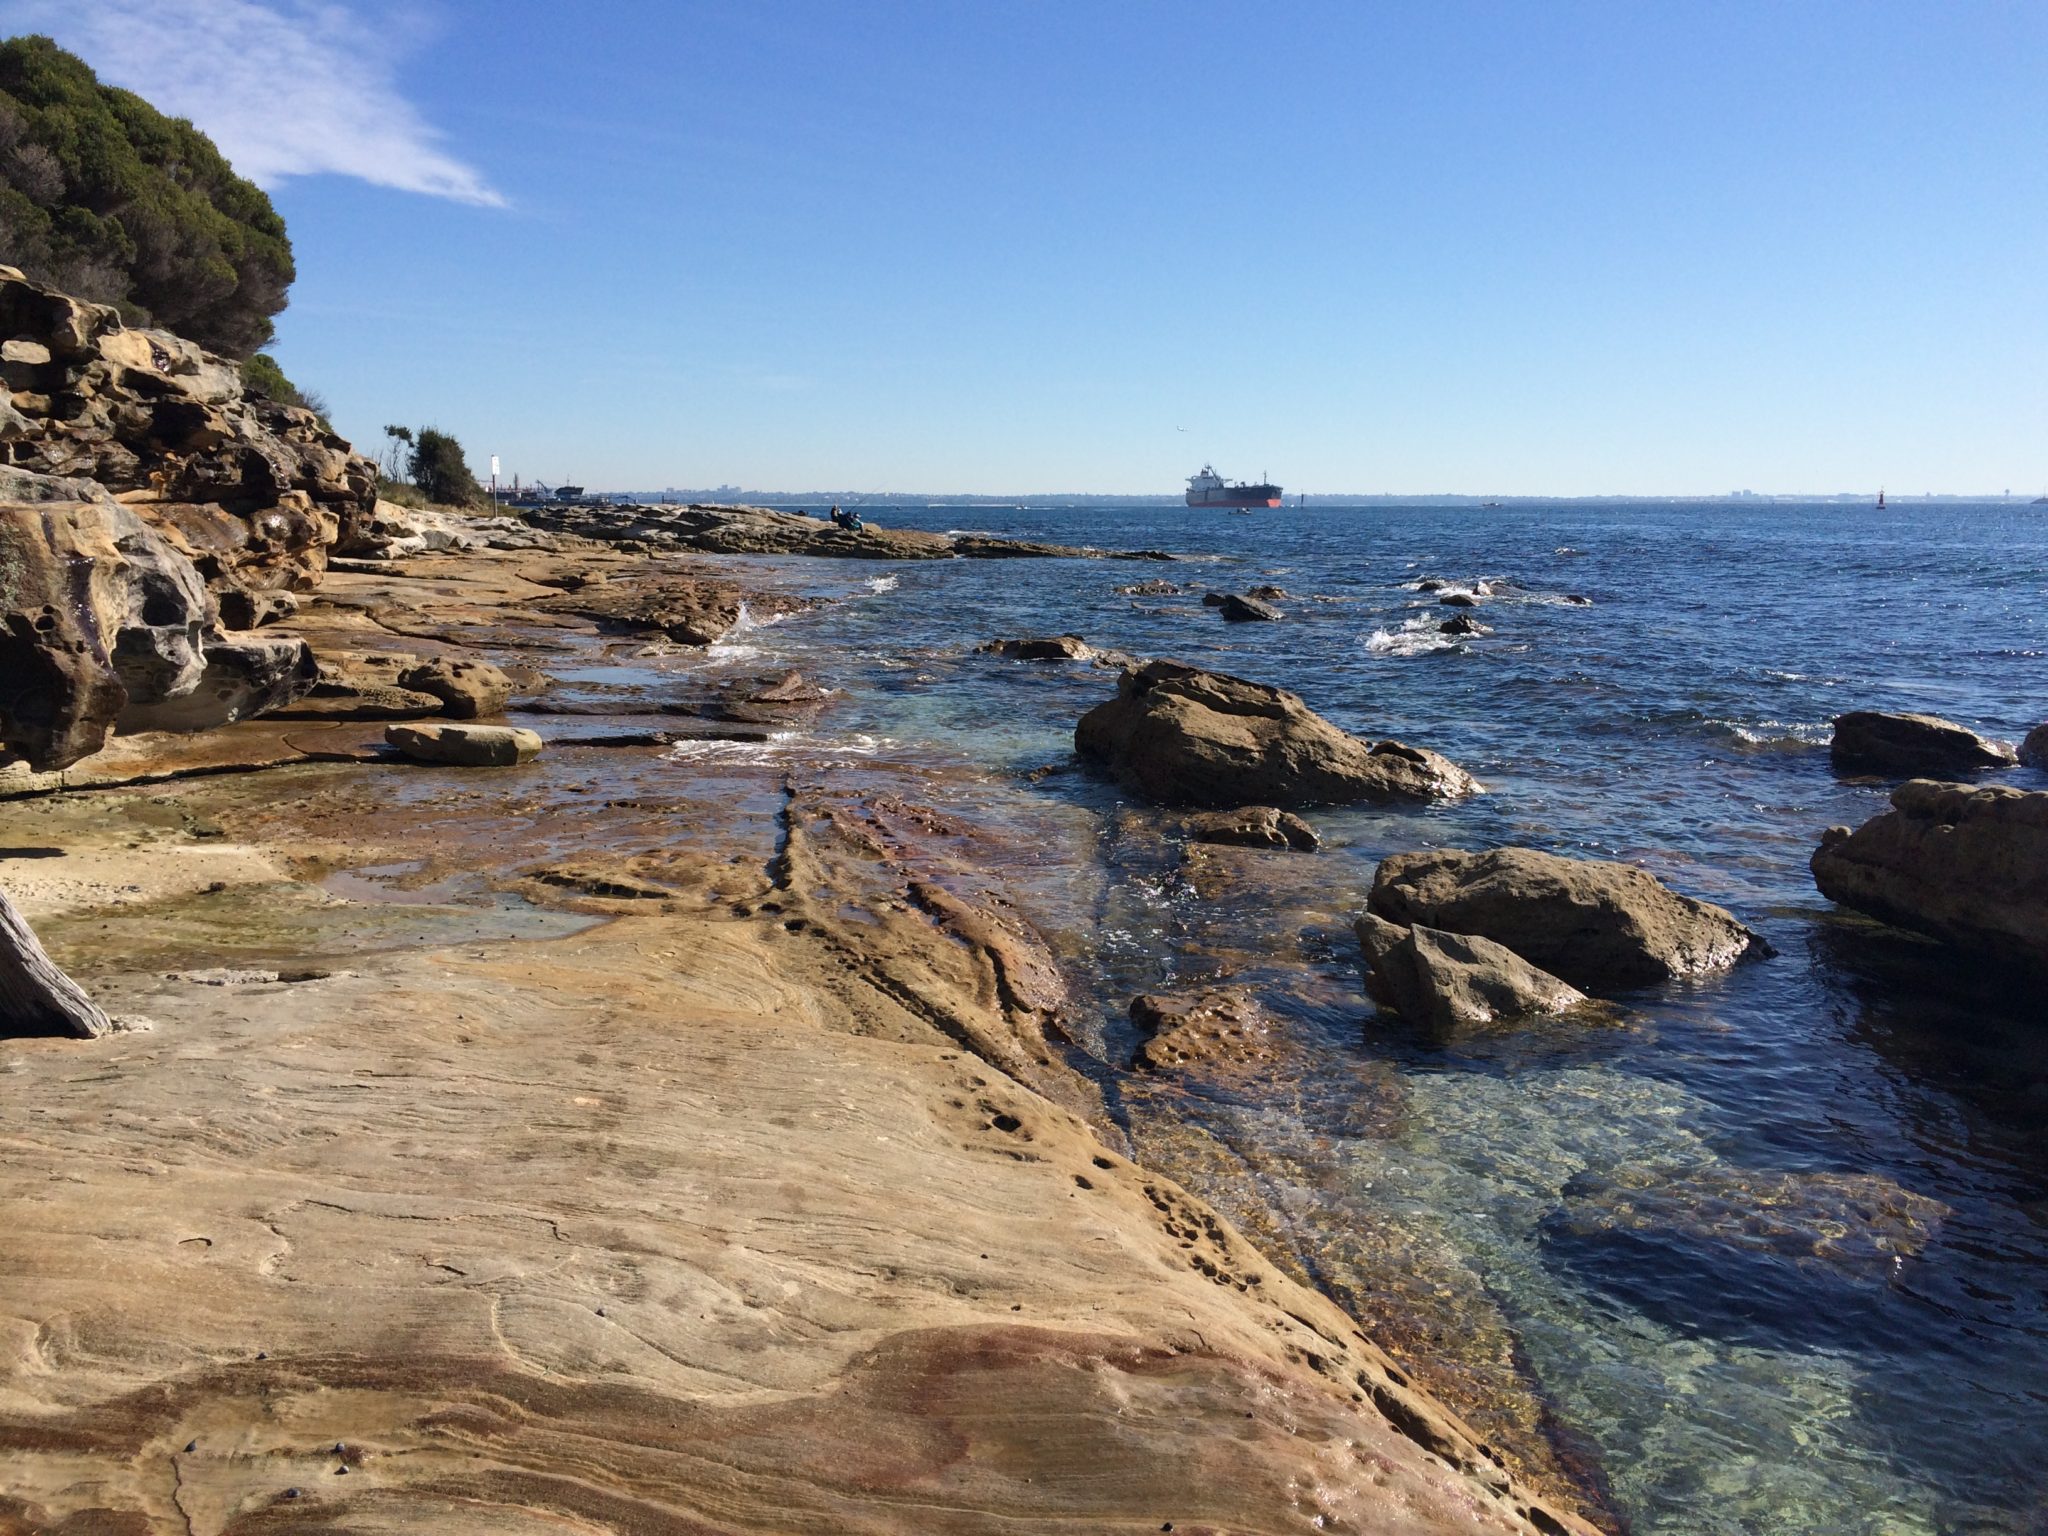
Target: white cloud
(285,88)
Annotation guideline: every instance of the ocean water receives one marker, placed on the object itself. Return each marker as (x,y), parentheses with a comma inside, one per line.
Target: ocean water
(1772,1258)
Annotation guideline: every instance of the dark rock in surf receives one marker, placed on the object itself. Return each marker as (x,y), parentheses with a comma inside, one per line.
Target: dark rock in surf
(1268,593)
(1463,624)
(1458,600)
(1244,610)
(2034,750)
(1597,925)
(1873,741)
(1215,599)
(1182,736)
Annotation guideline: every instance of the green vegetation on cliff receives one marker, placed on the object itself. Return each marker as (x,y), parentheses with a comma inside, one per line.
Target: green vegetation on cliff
(105,197)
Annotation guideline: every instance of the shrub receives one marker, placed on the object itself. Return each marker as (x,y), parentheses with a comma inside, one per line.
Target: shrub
(104,197)
(441,472)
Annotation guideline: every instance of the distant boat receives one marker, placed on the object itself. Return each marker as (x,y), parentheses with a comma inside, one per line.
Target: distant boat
(1209,489)
(1489,506)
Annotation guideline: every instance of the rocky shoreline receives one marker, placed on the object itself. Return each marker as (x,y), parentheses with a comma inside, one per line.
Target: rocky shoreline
(465,1156)
(585,1139)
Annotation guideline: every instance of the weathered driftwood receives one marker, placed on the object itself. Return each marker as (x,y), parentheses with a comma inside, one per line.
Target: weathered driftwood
(36,998)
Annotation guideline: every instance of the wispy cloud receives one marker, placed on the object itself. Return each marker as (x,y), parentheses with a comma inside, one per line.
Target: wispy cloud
(284,87)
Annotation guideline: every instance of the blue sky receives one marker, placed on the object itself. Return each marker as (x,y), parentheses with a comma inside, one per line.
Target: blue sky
(1542,248)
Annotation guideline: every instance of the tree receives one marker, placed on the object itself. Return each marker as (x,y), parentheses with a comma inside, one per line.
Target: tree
(104,197)
(441,472)
(397,453)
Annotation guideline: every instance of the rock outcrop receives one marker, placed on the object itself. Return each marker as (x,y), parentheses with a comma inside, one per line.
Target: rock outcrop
(1595,924)
(252,492)
(1963,864)
(1871,741)
(147,506)
(391,532)
(105,625)
(1446,982)
(1182,736)
(733,530)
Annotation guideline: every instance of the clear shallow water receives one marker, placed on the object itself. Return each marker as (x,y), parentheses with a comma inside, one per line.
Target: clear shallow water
(1721,1379)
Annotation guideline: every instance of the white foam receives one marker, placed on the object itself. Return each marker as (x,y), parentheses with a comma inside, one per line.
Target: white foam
(1415,637)
(880,583)
(780,746)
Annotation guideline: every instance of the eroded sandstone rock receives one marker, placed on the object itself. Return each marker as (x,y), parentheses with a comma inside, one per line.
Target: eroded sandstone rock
(1182,736)
(1595,924)
(1220,1026)
(1447,982)
(1872,741)
(1967,865)
(249,490)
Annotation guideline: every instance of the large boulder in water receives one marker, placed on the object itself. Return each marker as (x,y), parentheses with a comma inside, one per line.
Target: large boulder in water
(1872,741)
(1182,736)
(1964,864)
(1597,925)
(1447,982)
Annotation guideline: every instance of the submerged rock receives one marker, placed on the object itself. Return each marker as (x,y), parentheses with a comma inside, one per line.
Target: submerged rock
(1222,1026)
(1871,741)
(1153,588)
(1458,600)
(1268,593)
(465,746)
(1963,864)
(1242,610)
(1182,736)
(1445,982)
(1598,925)
(1253,826)
(1844,1220)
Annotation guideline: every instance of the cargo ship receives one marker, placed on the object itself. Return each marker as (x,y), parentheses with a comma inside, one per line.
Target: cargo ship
(1209,489)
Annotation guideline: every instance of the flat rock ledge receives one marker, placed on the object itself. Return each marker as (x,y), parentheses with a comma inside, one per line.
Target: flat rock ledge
(1182,736)
(1599,926)
(1871,741)
(1963,864)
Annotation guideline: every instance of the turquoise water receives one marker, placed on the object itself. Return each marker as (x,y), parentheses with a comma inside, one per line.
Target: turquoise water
(1822,1309)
